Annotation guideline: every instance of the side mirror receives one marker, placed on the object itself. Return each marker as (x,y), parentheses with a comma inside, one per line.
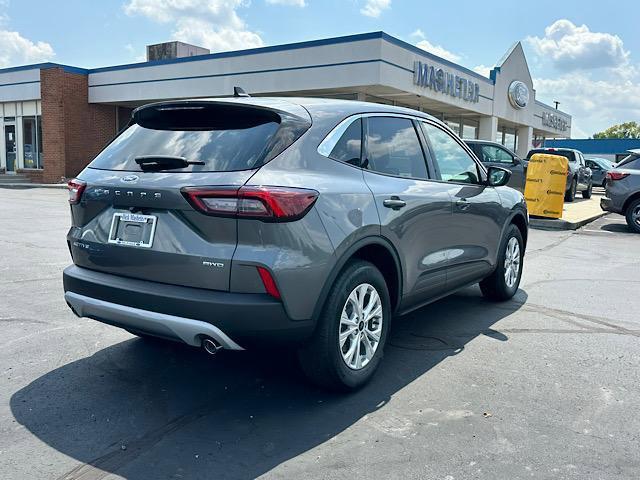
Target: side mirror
(497,176)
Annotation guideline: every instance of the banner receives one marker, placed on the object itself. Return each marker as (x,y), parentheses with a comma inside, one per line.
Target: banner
(546,183)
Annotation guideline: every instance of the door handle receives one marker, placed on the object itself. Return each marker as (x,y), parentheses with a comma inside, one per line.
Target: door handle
(462,204)
(394,203)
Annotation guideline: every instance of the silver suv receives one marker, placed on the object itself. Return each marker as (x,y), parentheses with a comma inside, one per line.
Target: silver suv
(623,190)
(244,222)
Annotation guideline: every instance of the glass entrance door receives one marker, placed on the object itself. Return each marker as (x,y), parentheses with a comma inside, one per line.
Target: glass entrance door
(10,144)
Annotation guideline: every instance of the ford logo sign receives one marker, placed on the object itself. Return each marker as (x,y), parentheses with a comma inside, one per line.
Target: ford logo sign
(130,178)
(518,94)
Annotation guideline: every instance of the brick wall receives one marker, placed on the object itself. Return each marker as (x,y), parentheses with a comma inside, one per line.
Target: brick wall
(73,131)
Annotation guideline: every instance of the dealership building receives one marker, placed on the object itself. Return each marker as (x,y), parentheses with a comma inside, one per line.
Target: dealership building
(55,118)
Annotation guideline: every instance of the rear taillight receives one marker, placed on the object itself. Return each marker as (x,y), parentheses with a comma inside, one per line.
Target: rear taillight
(269,204)
(76,187)
(616,175)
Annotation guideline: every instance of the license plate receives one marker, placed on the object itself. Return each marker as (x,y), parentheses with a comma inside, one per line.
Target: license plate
(132,229)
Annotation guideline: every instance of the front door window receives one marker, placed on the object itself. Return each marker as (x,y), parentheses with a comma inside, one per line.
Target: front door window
(10,144)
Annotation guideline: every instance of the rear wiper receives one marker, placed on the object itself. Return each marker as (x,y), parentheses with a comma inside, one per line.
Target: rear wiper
(150,163)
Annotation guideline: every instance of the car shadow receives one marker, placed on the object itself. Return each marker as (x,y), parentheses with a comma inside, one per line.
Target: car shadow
(617,228)
(151,409)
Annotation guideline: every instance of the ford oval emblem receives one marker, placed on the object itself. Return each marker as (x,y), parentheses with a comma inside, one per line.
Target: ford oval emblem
(130,178)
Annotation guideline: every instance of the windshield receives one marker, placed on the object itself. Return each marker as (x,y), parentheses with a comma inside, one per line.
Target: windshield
(569,155)
(630,162)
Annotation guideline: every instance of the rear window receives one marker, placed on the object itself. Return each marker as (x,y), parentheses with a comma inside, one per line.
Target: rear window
(571,156)
(222,137)
(631,162)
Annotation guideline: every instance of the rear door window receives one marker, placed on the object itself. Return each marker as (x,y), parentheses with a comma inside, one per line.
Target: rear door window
(220,137)
(393,148)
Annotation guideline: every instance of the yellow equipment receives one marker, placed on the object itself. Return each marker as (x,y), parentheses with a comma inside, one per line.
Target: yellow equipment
(546,184)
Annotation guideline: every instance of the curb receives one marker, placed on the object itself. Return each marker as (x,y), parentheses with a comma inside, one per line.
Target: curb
(559,224)
(19,186)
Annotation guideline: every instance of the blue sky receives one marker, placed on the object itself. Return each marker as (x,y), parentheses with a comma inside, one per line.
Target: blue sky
(586,55)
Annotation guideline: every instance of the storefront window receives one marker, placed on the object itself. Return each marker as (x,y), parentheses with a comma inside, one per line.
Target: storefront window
(455,126)
(469,131)
(509,140)
(40,151)
(32,142)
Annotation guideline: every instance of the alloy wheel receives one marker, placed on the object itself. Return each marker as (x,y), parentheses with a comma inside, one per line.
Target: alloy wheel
(512,262)
(635,215)
(360,326)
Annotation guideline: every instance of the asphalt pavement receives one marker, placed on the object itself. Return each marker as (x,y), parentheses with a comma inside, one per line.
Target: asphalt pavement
(544,386)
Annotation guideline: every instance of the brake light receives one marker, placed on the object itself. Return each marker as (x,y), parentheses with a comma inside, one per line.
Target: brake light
(616,175)
(76,187)
(268,282)
(269,204)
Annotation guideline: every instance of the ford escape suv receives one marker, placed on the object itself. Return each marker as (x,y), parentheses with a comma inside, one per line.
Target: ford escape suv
(246,222)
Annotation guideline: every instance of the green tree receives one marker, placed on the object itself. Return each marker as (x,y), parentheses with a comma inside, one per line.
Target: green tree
(622,130)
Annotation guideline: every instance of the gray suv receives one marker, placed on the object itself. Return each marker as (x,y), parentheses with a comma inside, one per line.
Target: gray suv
(623,190)
(247,222)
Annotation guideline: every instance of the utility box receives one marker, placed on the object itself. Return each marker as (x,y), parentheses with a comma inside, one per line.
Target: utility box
(171,50)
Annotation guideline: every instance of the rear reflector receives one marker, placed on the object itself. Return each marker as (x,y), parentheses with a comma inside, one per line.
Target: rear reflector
(76,187)
(268,282)
(269,204)
(616,175)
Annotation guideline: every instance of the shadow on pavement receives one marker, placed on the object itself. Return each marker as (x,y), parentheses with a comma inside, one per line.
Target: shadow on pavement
(618,227)
(147,409)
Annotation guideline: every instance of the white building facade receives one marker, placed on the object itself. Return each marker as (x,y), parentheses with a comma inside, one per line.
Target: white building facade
(372,67)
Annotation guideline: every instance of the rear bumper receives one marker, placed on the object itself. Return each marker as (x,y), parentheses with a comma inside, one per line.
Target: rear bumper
(608,205)
(181,313)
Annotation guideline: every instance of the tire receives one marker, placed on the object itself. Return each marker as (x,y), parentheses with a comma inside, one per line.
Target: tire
(633,216)
(321,357)
(587,193)
(495,287)
(570,195)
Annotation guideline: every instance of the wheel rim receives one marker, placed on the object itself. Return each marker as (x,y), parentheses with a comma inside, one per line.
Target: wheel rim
(512,262)
(360,326)
(635,215)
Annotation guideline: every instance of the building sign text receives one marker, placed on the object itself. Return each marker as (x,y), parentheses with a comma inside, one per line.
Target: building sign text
(439,80)
(554,121)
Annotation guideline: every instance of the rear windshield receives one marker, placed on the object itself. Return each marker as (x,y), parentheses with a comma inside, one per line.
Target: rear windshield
(631,162)
(571,156)
(219,137)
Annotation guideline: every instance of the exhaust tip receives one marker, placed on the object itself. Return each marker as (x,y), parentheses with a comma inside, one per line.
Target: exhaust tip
(211,346)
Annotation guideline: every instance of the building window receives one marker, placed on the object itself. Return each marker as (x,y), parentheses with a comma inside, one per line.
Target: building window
(32,142)
(510,139)
(469,131)
(453,125)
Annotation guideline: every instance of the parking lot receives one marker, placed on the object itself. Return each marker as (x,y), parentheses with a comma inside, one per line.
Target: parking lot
(544,386)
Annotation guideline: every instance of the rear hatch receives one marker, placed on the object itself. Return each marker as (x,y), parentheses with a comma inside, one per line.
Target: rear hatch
(130,213)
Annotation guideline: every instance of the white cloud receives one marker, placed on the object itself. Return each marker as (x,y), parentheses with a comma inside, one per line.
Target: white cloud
(290,3)
(17,50)
(373,8)
(482,70)
(597,80)
(426,45)
(593,104)
(214,24)
(571,47)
